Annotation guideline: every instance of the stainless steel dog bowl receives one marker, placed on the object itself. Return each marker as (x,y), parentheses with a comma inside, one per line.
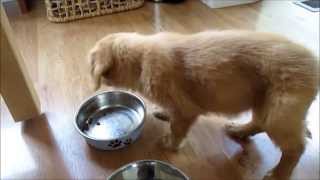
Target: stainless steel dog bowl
(111,120)
(148,170)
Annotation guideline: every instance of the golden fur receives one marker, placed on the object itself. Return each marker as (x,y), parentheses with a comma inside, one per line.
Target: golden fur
(225,72)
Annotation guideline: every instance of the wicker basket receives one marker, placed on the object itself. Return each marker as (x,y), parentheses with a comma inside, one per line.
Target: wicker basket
(68,10)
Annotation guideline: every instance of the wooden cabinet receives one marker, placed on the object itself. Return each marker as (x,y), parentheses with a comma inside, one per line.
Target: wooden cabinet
(16,87)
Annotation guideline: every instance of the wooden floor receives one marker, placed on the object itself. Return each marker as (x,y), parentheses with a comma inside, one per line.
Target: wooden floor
(50,148)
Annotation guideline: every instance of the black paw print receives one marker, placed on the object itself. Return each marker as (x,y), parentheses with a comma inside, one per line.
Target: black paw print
(86,125)
(127,142)
(115,143)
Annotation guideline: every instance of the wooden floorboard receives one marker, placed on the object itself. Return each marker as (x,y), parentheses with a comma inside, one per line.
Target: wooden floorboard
(55,55)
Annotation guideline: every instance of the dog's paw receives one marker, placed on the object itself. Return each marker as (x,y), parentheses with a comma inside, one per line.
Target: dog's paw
(167,142)
(161,116)
(236,131)
(271,176)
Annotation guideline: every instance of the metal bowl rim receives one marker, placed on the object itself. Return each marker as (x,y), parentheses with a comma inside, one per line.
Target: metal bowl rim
(86,101)
(145,161)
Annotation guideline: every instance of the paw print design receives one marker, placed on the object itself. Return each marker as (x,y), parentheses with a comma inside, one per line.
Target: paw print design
(115,143)
(128,141)
(85,127)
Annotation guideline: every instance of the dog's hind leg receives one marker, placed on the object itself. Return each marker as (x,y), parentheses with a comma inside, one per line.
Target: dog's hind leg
(285,126)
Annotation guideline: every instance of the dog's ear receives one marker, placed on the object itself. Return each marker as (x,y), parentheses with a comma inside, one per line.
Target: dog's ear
(100,61)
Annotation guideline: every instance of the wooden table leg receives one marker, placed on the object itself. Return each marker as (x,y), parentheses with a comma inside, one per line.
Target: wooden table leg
(16,86)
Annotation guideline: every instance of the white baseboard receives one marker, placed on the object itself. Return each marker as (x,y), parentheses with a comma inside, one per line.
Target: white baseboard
(226,3)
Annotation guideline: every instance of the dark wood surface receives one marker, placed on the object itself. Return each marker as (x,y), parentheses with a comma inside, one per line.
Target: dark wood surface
(23,5)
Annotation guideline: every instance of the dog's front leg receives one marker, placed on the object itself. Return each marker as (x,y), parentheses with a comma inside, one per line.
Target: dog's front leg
(179,126)
(184,113)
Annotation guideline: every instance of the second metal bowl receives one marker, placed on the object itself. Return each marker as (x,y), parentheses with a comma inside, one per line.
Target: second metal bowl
(148,170)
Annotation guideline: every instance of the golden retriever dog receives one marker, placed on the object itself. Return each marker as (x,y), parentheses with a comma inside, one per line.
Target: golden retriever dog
(225,72)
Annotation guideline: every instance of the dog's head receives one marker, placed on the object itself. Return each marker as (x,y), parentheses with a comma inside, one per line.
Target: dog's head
(101,60)
(114,60)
